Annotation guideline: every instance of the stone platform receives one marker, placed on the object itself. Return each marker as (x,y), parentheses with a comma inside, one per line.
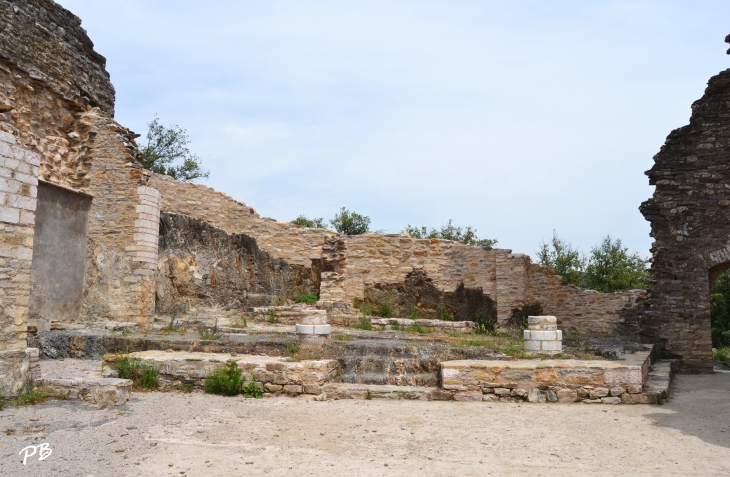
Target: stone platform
(277,374)
(608,382)
(83,380)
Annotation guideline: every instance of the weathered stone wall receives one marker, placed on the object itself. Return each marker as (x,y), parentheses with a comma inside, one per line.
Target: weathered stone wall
(18,191)
(690,222)
(47,43)
(580,312)
(296,245)
(203,265)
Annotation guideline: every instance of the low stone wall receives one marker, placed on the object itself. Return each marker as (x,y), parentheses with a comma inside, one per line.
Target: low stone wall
(608,382)
(278,375)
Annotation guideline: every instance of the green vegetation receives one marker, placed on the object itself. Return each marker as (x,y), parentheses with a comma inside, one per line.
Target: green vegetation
(563,259)
(210,333)
(33,396)
(364,324)
(720,311)
(484,324)
(166,153)
(608,268)
(414,313)
(225,380)
(172,326)
(340,337)
(253,389)
(239,322)
(457,233)
(143,375)
(292,350)
(722,355)
(384,310)
(303,221)
(306,298)
(3,400)
(350,223)
(357,302)
(272,316)
(185,388)
(421,330)
(445,315)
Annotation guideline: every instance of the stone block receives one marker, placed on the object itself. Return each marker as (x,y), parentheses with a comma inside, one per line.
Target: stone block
(611,400)
(468,396)
(617,391)
(624,376)
(543,335)
(532,345)
(567,395)
(490,398)
(272,388)
(551,345)
(293,389)
(518,392)
(551,396)
(501,391)
(535,395)
(322,329)
(598,393)
(633,388)
(9,215)
(305,329)
(315,389)
(635,399)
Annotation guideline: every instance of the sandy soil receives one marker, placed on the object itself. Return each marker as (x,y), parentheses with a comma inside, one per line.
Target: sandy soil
(165,434)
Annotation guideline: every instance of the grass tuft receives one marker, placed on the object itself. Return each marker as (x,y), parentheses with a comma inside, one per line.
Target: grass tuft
(240,322)
(210,333)
(33,396)
(306,298)
(364,324)
(144,375)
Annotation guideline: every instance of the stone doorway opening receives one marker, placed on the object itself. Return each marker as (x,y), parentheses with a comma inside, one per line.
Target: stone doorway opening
(59,255)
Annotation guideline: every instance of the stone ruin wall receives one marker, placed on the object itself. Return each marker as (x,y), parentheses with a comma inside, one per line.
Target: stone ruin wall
(690,222)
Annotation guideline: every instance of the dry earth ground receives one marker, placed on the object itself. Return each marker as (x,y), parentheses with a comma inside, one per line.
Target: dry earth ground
(173,434)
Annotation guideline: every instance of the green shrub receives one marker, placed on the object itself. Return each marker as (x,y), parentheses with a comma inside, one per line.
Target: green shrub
(350,223)
(445,315)
(414,313)
(292,349)
(357,302)
(127,367)
(722,355)
(253,389)
(306,298)
(224,380)
(149,376)
(484,324)
(364,324)
(272,316)
(385,310)
(303,221)
(421,330)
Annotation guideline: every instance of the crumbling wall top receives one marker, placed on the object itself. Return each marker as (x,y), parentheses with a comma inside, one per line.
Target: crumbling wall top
(47,41)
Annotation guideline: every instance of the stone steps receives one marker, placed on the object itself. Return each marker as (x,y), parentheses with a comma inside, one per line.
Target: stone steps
(380,391)
(83,381)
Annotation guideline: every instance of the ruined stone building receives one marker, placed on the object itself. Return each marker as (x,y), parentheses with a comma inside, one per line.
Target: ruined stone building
(89,236)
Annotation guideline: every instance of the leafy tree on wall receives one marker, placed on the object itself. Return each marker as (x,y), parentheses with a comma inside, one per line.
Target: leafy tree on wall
(303,221)
(612,268)
(565,261)
(350,223)
(166,153)
(457,233)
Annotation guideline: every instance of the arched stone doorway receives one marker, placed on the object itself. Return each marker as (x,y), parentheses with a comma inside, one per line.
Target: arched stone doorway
(690,222)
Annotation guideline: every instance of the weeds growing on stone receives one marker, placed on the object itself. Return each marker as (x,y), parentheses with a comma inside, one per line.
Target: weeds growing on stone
(343,338)
(357,302)
(292,350)
(143,375)
(385,310)
(484,324)
(253,389)
(364,324)
(33,396)
(421,330)
(225,380)
(368,395)
(306,298)
(210,333)
(272,316)
(185,388)
(240,322)
(3,400)
(414,313)
(445,315)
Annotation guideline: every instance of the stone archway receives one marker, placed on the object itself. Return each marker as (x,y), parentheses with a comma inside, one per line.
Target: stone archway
(690,222)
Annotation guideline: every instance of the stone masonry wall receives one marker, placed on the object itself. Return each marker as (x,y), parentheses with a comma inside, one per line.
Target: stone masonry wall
(18,192)
(690,222)
(580,312)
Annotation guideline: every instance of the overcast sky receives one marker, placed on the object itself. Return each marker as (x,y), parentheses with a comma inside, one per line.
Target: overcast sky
(515,117)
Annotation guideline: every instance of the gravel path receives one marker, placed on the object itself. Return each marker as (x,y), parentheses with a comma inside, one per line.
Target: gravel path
(166,434)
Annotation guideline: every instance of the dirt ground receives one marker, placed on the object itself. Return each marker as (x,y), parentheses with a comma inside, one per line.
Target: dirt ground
(166,434)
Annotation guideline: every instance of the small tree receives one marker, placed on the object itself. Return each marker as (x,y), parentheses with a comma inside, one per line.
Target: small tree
(611,268)
(720,310)
(565,261)
(166,153)
(351,223)
(303,221)
(457,233)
